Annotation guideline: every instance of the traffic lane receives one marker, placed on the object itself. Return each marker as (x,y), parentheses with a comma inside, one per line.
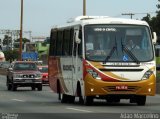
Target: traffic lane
(26,101)
(32,102)
(76,112)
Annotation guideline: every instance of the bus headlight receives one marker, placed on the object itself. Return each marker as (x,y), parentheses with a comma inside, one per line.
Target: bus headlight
(94,74)
(147,74)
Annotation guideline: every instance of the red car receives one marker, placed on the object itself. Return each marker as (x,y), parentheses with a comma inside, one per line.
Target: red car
(23,74)
(44,71)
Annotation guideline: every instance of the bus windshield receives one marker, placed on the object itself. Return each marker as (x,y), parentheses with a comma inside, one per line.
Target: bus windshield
(118,43)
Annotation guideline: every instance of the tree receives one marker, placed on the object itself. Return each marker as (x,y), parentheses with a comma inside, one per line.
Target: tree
(158,19)
(11,55)
(147,18)
(24,40)
(7,40)
(154,22)
(158,6)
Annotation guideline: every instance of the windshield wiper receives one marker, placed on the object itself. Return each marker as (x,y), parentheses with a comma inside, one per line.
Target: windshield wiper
(131,55)
(111,52)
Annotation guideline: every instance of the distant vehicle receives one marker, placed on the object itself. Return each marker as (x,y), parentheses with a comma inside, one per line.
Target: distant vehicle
(89,58)
(24,74)
(44,71)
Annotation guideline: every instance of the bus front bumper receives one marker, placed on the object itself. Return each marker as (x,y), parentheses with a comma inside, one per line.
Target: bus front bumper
(95,87)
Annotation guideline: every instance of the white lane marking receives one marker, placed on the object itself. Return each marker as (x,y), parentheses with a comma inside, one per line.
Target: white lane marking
(18,100)
(78,109)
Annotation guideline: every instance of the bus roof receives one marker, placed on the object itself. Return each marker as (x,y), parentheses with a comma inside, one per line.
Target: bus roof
(84,20)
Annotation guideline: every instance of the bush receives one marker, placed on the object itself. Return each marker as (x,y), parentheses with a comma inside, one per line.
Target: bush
(11,55)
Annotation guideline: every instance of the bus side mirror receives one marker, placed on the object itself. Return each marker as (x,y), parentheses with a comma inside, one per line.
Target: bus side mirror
(77,38)
(154,39)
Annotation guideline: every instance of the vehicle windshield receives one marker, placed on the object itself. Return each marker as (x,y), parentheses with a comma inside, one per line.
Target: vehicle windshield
(118,43)
(43,69)
(25,66)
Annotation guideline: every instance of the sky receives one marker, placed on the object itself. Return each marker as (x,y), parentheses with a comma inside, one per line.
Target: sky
(39,16)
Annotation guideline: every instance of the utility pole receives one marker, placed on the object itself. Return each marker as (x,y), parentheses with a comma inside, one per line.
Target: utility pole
(21,31)
(130,14)
(84,7)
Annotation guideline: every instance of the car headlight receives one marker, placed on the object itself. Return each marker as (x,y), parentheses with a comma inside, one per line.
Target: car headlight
(94,74)
(147,74)
(38,75)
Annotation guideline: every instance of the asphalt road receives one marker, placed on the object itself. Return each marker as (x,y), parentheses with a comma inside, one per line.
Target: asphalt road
(27,104)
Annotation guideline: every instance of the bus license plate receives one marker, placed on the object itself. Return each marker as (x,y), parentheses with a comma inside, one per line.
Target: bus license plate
(122,87)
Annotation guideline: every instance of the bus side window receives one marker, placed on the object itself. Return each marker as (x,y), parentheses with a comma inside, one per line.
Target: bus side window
(71,42)
(53,38)
(51,45)
(80,45)
(74,51)
(80,49)
(59,43)
(66,38)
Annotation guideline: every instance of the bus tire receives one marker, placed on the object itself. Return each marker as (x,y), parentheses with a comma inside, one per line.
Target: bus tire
(141,100)
(39,87)
(88,100)
(9,86)
(79,93)
(59,91)
(14,87)
(71,99)
(33,88)
(117,100)
(64,98)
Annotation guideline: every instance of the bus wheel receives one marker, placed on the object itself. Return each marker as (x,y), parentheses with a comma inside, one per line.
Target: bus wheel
(141,100)
(79,93)
(14,87)
(81,100)
(9,86)
(59,91)
(39,87)
(64,98)
(88,100)
(117,100)
(71,99)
